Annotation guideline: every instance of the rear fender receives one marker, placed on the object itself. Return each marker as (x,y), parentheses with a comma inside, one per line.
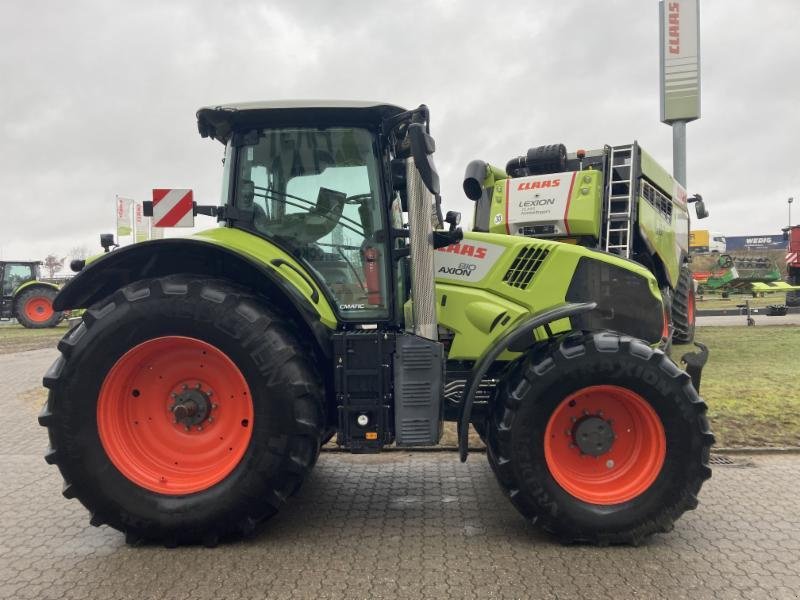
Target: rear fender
(32,284)
(160,258)
(35,283)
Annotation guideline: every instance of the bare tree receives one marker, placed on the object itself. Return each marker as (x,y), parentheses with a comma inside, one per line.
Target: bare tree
(78,252)
(52,263)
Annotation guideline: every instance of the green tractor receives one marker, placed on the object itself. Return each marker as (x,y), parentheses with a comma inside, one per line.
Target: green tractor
(25,297)
(191,401)
(617,199)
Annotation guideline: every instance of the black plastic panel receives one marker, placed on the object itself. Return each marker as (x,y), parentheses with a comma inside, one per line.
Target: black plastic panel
(363,384)
(418,387)
(624,301)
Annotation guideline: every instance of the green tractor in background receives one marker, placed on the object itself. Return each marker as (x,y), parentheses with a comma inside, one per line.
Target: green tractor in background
(24,297)
(191,401)
(617,199)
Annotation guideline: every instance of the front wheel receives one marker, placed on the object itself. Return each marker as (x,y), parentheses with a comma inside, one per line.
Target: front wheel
(601,438)
(182,411)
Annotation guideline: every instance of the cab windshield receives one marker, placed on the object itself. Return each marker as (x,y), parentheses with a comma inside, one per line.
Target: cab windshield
(316,192)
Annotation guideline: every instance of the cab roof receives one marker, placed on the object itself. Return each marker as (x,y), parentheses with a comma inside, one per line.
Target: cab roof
(217,122)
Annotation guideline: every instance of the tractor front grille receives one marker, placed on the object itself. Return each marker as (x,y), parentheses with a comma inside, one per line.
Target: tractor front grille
(525,265)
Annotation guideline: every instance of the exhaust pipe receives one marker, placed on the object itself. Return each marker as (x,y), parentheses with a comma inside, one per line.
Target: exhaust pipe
(420,228)
(474,176)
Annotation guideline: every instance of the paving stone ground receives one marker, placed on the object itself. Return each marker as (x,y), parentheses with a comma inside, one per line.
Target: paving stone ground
(396,525)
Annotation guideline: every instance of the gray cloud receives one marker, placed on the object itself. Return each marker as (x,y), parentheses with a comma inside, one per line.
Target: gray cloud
(99,98)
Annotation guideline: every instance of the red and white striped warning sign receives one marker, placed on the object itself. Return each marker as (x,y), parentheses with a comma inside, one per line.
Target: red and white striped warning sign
(792,257)
(173,208)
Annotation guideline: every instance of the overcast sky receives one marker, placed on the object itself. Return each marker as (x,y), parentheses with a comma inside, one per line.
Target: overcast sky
(98,98)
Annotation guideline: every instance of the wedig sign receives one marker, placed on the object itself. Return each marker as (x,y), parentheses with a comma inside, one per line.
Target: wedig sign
(680,60)
(755,242)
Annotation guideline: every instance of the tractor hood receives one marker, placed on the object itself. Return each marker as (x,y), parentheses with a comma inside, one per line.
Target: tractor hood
(217,122)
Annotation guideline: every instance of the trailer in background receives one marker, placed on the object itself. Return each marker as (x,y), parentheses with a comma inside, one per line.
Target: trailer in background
(703,240)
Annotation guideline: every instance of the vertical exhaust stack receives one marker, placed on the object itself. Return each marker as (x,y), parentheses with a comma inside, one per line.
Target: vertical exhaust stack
(420,218)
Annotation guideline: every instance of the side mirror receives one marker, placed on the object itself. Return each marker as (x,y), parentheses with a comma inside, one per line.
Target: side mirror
(785,235)
(700,210)
(422,146)
(699,206)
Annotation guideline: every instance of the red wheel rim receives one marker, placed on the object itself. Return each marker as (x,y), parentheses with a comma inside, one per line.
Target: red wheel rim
(169,452)
(39,309)
(634,459)
(690,307)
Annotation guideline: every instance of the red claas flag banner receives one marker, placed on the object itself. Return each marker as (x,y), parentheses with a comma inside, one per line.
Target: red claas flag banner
(141,224)
(124,225)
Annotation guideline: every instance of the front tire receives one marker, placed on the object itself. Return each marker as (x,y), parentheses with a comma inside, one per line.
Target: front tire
(33,308)
(601,438)
(246,433)
(683,308)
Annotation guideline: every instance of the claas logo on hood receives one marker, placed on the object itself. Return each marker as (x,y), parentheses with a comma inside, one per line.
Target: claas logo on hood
(465,250)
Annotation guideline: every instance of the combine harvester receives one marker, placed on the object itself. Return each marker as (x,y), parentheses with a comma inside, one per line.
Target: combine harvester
(617,199)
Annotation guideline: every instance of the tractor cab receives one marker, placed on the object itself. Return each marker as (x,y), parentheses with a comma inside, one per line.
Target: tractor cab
(14,274)
(322,192)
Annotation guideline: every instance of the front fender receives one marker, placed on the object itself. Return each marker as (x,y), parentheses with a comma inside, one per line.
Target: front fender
(518,339)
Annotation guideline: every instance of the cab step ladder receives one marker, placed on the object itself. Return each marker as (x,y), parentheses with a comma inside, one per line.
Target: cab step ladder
(619,210)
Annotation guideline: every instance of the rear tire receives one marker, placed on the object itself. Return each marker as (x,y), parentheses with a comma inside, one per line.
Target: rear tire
(655,477)
(113,467)
(683,308)
(33,308)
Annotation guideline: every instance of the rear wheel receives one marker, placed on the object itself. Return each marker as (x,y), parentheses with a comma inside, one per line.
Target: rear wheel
(601,438)
(33,308)
(182,411)
(683,308)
